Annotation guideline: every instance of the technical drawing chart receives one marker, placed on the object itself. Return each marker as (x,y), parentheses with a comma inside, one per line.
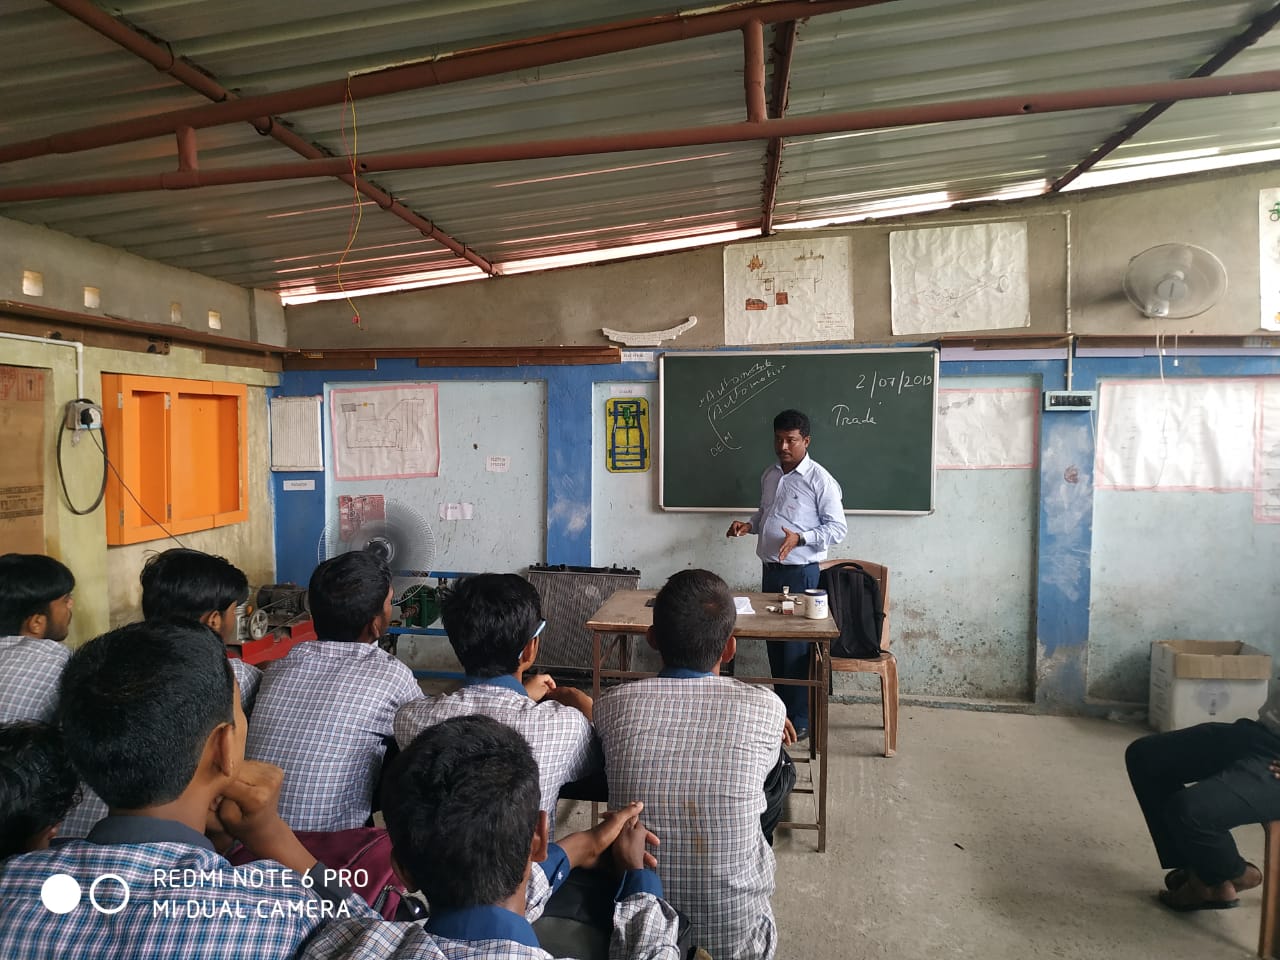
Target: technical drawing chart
(627,425)
(381,433)
(785,291)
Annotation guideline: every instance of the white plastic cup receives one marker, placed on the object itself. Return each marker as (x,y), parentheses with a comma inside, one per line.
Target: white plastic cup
(815,604)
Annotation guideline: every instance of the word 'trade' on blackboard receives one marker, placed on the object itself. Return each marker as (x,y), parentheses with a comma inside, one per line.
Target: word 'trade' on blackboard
(872,414)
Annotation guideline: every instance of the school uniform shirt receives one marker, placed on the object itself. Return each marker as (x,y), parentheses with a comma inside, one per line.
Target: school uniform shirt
(161,891)
(248,678)
(644,927)
(323,714)
(30,669)
(696,748)
(806,500)
(560,737)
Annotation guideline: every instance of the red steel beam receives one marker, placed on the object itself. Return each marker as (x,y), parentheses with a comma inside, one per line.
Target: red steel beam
(753,70)
(162,58)
(523,54)
(813,125)
(1260,27)
(785,48)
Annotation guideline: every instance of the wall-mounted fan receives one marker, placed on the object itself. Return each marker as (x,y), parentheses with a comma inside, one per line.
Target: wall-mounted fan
(391,530)
(1175,281)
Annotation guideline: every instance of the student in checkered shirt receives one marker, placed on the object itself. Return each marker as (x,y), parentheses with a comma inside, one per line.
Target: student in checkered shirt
(152,722)
(324,711)
(697,748)
(494,621)
(35,617)
(199,586)
(38,786)
(463,813)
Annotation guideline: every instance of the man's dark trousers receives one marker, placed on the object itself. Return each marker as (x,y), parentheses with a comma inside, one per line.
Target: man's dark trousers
(790,658)
(1227,763)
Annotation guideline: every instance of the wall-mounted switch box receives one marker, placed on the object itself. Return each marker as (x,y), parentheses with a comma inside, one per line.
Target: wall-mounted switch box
(1070,400)
(83,415)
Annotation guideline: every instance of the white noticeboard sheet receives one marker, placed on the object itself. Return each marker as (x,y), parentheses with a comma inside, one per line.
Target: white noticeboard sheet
(380,433)
(1269,257)
(987,429)
(1192,434)
(787,291)
(969,277)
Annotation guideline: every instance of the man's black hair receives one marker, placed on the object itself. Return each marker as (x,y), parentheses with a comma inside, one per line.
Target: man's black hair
(29,582)
(693,618)
(136,706)
(346,592)
(791,420)
(489,618)
(38,785)
(189,584)
(461,804)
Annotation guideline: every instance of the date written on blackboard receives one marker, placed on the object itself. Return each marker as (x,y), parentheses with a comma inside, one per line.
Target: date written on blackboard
(840,412)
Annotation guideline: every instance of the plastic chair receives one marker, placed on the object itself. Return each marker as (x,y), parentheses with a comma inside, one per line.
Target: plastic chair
(886,665)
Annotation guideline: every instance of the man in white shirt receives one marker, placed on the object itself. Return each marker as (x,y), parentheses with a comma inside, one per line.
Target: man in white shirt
(35,616)
(800,516)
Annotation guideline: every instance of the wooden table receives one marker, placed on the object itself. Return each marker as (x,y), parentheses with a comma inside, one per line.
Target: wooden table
(625,614)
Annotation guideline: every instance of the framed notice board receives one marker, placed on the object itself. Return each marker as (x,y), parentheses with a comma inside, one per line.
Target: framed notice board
(872,414)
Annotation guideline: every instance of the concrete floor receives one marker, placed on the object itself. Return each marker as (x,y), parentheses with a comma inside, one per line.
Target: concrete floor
(987,836)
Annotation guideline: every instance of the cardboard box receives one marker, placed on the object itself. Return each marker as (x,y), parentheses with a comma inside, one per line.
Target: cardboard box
(1197,681)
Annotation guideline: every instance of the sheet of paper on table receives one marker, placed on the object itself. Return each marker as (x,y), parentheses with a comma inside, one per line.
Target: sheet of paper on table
(742,604)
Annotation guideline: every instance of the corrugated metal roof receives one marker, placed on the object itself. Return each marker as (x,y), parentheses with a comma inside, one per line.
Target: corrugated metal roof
(59,75)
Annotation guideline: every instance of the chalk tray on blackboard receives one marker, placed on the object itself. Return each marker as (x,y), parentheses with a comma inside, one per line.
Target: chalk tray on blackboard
(872,415)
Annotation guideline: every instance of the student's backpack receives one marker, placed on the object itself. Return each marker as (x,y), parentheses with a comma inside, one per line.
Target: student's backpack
(365,853)
(853,596)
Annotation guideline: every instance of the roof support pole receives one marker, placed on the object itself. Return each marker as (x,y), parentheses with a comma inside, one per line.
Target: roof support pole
(753,70)
(162,58)
(522,54)
(784,48)
(1255,31)
(810,125)
(188,150)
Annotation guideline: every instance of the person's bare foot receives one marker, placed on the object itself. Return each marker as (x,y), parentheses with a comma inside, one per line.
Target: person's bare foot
(1195,895)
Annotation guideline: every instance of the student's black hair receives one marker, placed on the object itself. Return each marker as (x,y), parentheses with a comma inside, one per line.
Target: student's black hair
(346,592)
(136,706)
(29,582)
(188,583)
(461,805)
(693,618)
(791,420)
(489,618)
(38,784)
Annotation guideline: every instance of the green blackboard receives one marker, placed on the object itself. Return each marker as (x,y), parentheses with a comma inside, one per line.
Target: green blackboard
(872,413)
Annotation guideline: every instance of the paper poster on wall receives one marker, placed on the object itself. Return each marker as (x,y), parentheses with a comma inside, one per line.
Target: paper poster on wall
(1269,257)
(1194,434)
(787,291)
(22,424)
(987,429)
(296,442)
(381,433)
(971,277)
(1266,495)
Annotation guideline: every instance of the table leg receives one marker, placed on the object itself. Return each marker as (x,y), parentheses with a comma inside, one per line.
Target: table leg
(595,695)
(822,654)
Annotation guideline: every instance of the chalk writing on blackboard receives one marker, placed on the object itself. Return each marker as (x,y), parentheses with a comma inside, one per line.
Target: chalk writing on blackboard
(731,394)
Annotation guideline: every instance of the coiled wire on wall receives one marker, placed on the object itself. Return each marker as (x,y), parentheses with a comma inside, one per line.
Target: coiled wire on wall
(62,478)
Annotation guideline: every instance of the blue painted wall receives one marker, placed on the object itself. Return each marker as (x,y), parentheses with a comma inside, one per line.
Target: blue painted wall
(1064,538)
